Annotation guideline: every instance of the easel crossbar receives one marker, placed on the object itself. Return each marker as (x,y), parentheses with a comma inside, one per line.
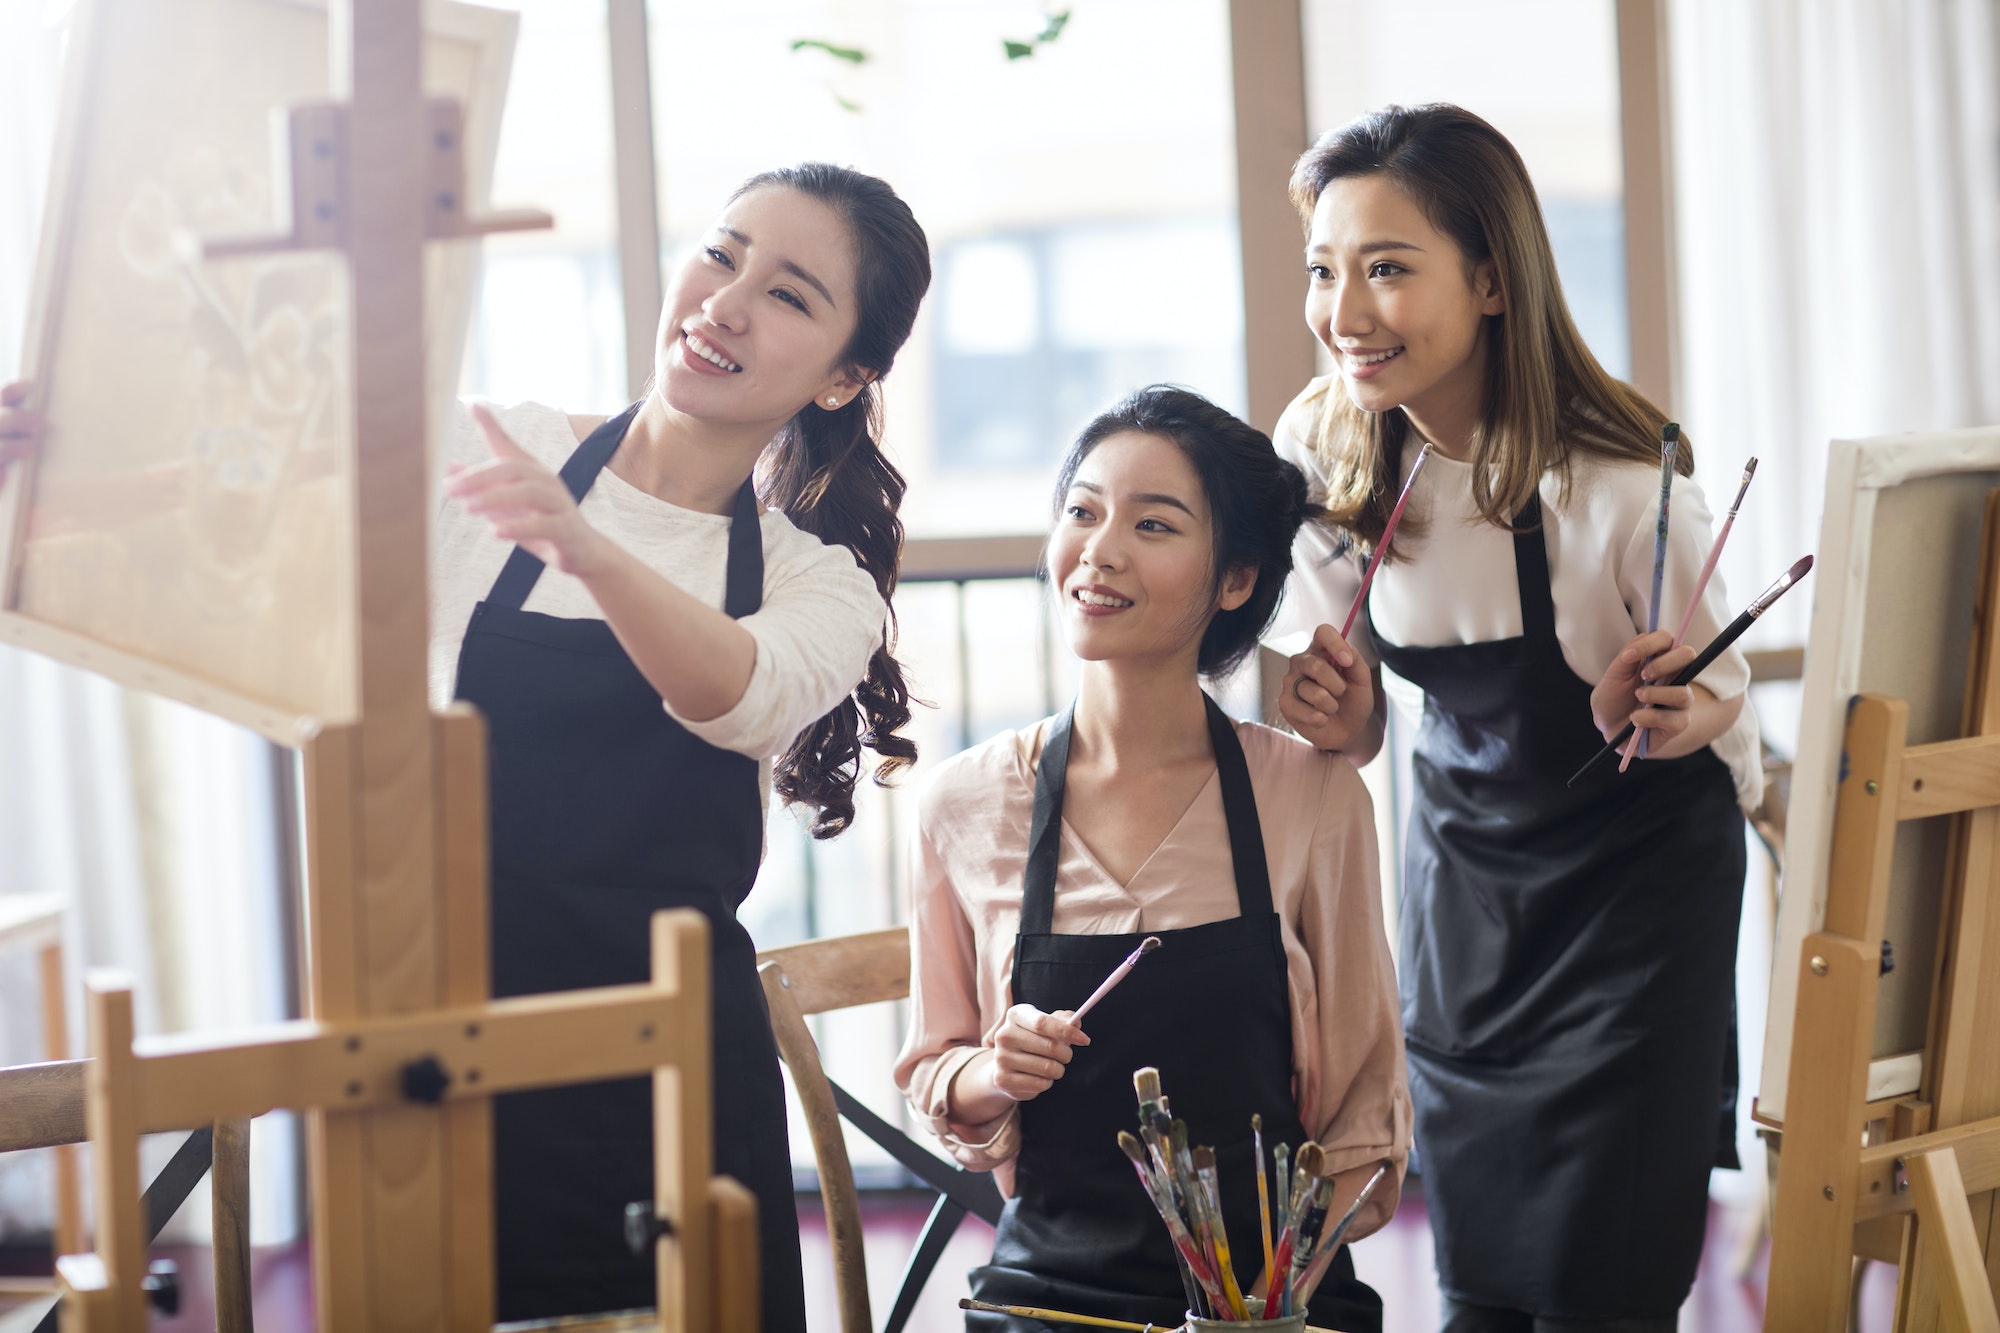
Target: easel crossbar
(1949,777)
(1978,1150)
(503,1046)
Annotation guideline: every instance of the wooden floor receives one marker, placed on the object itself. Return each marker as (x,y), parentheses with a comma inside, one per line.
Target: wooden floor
(1396,1261)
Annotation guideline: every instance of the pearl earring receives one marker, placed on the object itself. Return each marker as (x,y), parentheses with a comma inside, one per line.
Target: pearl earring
(832,400)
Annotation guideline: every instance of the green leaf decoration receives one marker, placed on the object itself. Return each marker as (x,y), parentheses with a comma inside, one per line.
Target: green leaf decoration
(1017,50)
(853,55)
(1053,28)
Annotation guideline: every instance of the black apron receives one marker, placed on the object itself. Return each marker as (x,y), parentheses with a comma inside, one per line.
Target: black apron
(1211,1008)
(1568,981)
(605,810)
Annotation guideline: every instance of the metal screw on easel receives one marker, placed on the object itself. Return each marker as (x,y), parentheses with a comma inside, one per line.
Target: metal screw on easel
(644,1228)
(1818,966)
(425,1080)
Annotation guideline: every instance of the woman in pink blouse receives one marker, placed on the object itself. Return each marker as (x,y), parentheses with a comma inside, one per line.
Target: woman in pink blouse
(1043,857)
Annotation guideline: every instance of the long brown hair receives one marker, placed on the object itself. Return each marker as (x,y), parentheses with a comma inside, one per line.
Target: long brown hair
(1546,395)
(826,471)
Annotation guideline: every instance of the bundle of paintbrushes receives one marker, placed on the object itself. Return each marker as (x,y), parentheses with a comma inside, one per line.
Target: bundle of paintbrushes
(1184,1188)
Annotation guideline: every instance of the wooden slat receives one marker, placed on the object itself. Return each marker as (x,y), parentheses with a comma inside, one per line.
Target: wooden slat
(529,1041)
(30,920)
(1813,1227)
(111,1080)
(732,1220)
(1864,819)
(69,1233)
(636,176)
(1949,777)
(1959,1259)
(229,1192)
(1268,85)
(684,1128)
(836,1170)
(463,849)
(842,972)
(1771,664)
(949,559)
(1976,1145)
(1645,134)
(42,1105)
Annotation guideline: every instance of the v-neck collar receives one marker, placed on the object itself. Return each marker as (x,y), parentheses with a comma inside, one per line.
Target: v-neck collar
(1075,839)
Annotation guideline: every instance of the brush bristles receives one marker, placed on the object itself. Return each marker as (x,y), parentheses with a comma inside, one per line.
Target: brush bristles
(1670,432)
(1799,568)
(1310,1158)
(1150,943)
(1129,1142)
(1204,1158)
(1256,1123)
(1146,1082)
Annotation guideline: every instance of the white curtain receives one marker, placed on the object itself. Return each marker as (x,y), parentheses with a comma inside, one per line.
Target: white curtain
(158,824)
(1838,183)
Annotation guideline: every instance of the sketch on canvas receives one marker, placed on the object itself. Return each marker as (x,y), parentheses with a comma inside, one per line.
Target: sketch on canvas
(189,527)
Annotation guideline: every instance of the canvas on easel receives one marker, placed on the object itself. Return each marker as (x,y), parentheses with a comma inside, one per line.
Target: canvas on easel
(187,528)
(1892,930)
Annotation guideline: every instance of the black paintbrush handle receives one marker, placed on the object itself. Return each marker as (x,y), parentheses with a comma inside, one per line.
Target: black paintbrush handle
(1716,648)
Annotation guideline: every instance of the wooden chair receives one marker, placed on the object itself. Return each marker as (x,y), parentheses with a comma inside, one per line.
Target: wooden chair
(842,973)
(42,1106)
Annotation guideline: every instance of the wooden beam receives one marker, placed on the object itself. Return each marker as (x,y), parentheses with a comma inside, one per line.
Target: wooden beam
(1864,819)
(637,173)
(1268,73)
(1977,1147)
(1959,1262)
(229,1193)
(112,1078)
(1645,120)
(530,1041)
(1949,778)
(1812,1231)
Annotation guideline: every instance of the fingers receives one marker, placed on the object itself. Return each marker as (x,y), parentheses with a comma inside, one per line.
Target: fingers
(1032,1049)
(503,496)
(1327,643)
(1669,664)
(497,438)
(14,394)
(1315,682)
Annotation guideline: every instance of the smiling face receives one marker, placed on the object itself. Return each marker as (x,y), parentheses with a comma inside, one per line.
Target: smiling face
(756,322)
(1133,554)
(1401,309)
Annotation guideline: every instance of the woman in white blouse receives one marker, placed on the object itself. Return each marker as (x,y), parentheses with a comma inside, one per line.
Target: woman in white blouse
(1567,954)
(1043,857)
(642,637)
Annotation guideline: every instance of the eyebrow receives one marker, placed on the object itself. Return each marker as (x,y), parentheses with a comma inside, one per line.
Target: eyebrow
(787,265)
(1369,248)
(1143,497)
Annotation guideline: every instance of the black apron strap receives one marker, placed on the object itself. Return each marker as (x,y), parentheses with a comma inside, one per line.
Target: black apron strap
(1038,885)
(1239,808)
(522,571)
(743,588)
(1531,572)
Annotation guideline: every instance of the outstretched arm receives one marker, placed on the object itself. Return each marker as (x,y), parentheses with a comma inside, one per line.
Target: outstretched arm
(698,658)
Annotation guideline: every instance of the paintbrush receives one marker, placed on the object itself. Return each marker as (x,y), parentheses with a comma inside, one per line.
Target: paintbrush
(1211,1200)
(1701,583)
(1670,444)
(1195,1279)
(1302,1253)
(1310,1158)
(1146,946)
(1382,547)
(1716,647)
(1330,1242)
(1062,1316)
(1263,1197)
(1281,1183)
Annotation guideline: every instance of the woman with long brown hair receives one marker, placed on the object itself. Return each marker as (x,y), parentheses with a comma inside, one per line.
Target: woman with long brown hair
(1567,956)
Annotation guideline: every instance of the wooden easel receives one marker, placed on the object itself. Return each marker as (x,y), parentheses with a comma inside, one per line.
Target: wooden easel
(1920,1188)
(402,1048)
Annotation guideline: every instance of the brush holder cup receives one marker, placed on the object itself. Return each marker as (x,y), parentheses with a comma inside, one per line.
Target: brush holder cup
(1295,1323)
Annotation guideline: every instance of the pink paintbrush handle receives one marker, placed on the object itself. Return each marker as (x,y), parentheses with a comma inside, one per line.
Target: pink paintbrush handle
(1382,547)
(1146,946)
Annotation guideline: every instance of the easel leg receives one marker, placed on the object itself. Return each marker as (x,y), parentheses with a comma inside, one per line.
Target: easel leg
(69,1170)
(229,1189)
(1945,1216)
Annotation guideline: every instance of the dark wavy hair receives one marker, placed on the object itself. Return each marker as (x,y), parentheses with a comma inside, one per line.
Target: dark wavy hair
(1256,503)
(826,471)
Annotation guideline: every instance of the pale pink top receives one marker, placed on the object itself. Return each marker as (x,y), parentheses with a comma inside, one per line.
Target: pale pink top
(970,849)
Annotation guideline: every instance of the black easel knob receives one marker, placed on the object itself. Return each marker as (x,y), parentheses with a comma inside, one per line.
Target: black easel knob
(425,1081)
(644,1227)
(1888,958)
(162,1285)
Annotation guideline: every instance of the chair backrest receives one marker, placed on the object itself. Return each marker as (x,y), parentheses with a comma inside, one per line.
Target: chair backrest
(842,973)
